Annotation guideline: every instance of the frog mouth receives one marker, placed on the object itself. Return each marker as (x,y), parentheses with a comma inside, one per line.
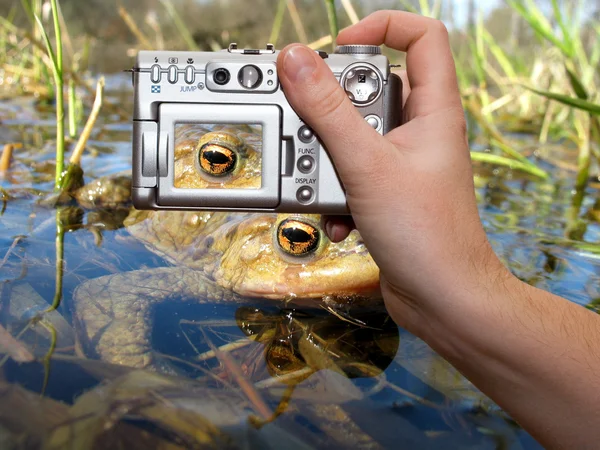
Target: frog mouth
(300,283)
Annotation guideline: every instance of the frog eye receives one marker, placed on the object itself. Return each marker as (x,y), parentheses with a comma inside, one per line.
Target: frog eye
(282,358)
(217,160)
(297,238)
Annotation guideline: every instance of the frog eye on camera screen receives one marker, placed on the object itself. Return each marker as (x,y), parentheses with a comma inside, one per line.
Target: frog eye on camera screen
(216,159)
(297,238)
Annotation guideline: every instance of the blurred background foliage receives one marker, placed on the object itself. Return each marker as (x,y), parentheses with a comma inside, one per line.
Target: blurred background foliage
(519,62)
(249,22)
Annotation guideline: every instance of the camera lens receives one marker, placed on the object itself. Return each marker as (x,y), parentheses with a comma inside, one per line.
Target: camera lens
(221,76)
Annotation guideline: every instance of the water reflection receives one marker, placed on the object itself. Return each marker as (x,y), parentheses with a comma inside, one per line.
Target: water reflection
(251,374)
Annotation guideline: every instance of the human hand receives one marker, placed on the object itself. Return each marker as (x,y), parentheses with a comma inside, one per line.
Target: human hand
(410,192)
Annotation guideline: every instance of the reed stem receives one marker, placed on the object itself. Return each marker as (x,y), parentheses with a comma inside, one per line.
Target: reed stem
(334,27)
(277,22)
(72,109)
(60,107)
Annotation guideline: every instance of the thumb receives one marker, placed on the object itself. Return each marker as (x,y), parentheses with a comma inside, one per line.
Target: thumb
(317,97)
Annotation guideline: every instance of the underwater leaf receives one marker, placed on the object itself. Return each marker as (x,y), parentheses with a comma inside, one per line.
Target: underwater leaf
(592,108)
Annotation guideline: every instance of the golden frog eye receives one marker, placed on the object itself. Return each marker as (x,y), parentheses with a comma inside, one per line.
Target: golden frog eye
(297,238)
(217,160)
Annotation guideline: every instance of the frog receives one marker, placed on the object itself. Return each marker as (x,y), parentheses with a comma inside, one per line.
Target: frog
(215,257)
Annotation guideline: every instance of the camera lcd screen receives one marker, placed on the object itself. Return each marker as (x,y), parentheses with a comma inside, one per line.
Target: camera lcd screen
(218,156)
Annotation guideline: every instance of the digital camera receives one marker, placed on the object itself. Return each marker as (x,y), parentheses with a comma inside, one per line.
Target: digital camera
(214,130)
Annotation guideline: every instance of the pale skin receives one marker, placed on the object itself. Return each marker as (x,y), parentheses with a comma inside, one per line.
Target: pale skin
(412,198)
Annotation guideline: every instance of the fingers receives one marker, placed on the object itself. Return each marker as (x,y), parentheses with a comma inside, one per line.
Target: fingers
(317,97)
(338,227)
(429,61)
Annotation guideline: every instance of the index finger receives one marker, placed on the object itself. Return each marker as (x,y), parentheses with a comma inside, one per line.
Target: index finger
(429,61)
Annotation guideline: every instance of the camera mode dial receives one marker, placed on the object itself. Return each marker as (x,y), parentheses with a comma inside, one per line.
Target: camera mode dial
(358,50)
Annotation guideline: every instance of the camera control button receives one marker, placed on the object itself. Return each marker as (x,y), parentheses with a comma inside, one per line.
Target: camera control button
(362,84)
(155,73)
(306,164)
(189,75)
(305,134)
(305,194)
(374,121)
(172,74)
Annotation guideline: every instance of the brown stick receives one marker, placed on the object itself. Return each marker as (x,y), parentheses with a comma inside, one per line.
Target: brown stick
(235,371)
(89,125)
(6,157)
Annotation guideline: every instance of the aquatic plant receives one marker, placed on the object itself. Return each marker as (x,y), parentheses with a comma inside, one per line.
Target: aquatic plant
(56,59)
(580,69)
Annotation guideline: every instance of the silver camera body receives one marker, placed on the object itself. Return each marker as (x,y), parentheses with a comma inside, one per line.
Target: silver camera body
(214,130)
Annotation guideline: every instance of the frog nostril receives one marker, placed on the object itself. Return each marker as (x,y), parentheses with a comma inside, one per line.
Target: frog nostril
(297,238)
(217,160)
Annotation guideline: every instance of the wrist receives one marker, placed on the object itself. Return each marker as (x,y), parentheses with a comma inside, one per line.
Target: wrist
(473,316)
(455,295)
(532,352)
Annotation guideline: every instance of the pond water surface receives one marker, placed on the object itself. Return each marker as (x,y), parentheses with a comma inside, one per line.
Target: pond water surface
(247,374)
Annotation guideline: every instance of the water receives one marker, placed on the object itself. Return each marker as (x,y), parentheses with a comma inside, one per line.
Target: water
(377,387)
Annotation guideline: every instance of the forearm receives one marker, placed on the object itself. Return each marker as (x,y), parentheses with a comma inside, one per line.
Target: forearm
(535,354)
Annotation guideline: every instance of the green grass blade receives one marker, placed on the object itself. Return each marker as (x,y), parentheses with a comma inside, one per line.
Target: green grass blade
(577,86)
(499,54)
(409,7)
(536,20)
(274,37)
(57,69)
(57,35)
(424,5)
(28,11)
(49,48)
(592,108)
(512,152)
(567,39)
(180,25)
(72,108)
(507,162)
(334,27)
